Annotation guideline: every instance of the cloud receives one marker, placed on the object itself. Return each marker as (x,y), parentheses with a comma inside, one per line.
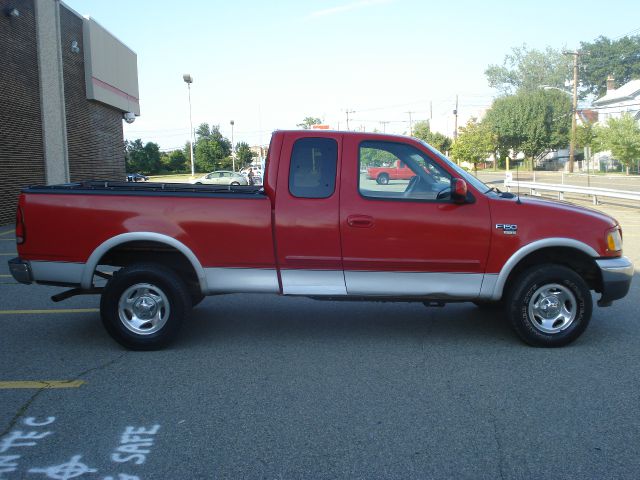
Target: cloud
(345,8)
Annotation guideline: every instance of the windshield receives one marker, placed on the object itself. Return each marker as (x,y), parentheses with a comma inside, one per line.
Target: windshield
(477,184)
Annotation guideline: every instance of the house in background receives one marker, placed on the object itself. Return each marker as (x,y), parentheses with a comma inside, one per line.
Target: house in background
(618,101)
(615,103)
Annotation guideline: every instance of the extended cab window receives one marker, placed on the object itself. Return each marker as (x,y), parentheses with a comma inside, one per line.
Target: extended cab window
(400,171)
(313,168)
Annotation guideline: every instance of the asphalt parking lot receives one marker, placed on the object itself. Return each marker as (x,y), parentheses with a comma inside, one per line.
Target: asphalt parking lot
(266,387)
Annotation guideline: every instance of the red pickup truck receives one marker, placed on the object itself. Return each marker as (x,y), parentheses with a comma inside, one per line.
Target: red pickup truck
(382,175)
(318,228)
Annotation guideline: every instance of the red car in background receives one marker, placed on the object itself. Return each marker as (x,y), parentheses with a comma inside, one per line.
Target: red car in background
(382,175)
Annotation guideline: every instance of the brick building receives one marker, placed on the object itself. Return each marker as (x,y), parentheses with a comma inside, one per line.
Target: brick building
(66,84)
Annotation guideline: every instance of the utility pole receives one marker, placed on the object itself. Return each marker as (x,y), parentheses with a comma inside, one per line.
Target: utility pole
(430,110)
(348,112)
(384,125)
(574,109)
(410,124)
(455,128)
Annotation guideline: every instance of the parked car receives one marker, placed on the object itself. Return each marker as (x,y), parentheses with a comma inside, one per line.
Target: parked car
(137,177)
(318,229)
(221,177)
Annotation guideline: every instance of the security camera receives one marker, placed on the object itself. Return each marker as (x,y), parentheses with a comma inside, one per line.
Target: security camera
(129,117)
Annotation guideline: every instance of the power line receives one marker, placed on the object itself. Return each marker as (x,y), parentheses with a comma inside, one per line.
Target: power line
(629,34)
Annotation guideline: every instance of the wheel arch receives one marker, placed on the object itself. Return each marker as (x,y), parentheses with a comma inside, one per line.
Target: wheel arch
(119,241)
(562,251)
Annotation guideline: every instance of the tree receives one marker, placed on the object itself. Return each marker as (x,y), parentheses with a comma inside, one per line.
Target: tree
(622,137)
(174,161)
(142,158)
(212,150)
(531,121)
(308,122)
(529,69)
(585,134)
(620,58)
(244,154)
(437,140)
(474,144)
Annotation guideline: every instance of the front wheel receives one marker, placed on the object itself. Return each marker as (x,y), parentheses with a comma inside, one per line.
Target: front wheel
(143,306)
(549,305)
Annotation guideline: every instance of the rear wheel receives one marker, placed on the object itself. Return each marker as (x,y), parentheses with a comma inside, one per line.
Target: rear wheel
(235,183)
(549,305)
(143,306)
(383,179)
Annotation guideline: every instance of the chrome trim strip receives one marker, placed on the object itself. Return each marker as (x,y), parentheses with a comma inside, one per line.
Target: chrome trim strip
(241,280)
(313,282)
(63,272)
(92,262)
(532,247)
(422,284)
(488,285)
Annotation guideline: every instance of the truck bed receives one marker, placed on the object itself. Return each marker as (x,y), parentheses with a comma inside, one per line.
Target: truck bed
(224,226)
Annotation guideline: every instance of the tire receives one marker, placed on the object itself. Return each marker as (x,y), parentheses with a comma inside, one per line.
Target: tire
(143,306)
(235,183)
(549,305)
(383,179)
(198,183)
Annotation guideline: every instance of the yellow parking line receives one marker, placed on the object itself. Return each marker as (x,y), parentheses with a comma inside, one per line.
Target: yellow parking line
(5,276)
(7,239)
(8,254)
(7,232)
(42,384)
(50,310)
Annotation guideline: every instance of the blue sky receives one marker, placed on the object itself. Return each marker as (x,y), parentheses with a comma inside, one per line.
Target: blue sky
(267,65)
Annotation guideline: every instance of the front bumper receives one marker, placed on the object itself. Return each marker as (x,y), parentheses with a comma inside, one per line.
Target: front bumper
(616,278)
(21,270)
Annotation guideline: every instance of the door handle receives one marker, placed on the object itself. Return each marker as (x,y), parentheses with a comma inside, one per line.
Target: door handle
(360,221)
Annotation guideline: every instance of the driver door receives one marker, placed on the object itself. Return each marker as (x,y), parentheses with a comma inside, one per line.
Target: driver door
(408,238)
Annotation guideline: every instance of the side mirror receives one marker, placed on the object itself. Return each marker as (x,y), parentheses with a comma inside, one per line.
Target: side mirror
(459,190)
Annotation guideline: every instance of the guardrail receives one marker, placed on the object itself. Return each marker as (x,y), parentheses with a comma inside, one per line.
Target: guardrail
(562,189)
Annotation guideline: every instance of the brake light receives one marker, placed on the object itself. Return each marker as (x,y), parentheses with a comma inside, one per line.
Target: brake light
(20,227)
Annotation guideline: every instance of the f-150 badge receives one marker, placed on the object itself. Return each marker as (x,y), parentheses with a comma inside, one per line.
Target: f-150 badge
(507,229)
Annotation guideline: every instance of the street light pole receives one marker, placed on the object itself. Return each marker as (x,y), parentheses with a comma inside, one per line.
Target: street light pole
(188,79)
(233,147)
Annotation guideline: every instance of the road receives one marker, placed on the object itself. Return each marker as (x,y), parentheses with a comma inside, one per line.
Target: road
(266,387)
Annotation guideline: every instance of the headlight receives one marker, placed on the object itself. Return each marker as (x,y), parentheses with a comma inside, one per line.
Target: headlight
(614,240)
